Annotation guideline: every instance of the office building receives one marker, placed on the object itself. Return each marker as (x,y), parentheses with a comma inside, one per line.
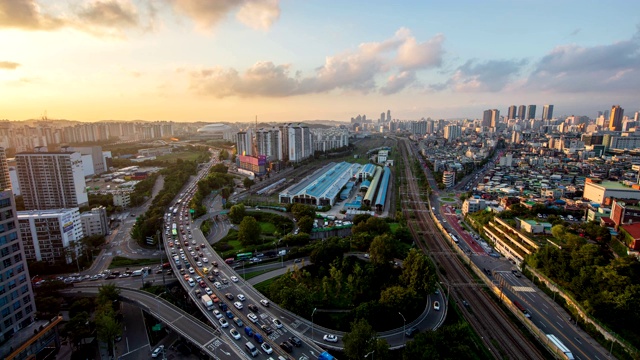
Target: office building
(512,112)
(615,118)
(51,235)
(51,180)
(522,112)
(486,118)
(17,305)
(547,112)
(531,112)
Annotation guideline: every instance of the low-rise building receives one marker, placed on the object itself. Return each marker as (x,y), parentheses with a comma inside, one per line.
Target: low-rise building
(473,205)
(534,227)
(95,222)
(122,198)
(48,235)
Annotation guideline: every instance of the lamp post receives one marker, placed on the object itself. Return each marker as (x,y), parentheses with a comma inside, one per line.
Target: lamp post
(314,311)
(404,330)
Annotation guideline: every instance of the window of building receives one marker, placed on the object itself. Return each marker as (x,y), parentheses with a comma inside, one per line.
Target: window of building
(8,322)
(12,284)
(6,263)
(26,299)
(8,274)
(17,305)
(3,302)
(28,309)
(22,279)
(24,289)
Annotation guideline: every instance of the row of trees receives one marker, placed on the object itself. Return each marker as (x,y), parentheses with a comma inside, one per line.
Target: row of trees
(216,180)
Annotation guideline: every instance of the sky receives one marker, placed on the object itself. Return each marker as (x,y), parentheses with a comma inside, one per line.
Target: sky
(291,60)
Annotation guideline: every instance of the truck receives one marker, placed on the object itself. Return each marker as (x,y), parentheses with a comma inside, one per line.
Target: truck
(207,302)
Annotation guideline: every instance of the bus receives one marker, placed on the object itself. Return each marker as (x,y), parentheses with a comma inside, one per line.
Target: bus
(565,350)
(455,239)
(244,256)
(521,308)
(174,232)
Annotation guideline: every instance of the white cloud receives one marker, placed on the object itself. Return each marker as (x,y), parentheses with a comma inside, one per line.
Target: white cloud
(259,15)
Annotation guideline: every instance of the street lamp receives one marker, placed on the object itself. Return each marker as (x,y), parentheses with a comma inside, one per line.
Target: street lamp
(314,311)
(404,331)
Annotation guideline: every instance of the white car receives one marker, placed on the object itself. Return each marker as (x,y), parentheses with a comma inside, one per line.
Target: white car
(205,260)
(238,305)
(217,313)
(277,323)
(199,264)
(191,271)
(252,317)
(241,297)
(157,351)
(330,338)
(436,305)
(266,348)
(234,279)
(208,291)
(236,335)
(191,282)
(223,322)
(217,285)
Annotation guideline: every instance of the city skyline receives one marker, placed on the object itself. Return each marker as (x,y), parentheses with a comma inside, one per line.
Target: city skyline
(228,61)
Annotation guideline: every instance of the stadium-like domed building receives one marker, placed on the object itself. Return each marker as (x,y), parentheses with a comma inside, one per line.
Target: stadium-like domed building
(217,131)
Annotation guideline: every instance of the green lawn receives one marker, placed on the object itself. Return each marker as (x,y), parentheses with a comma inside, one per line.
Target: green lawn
(447,199)
(184,155)
(263,286)
(267,228)
(255,273)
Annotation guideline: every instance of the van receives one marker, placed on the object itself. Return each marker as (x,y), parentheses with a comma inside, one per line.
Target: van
(248,331)
(137,273)
(258,338)
(252,349)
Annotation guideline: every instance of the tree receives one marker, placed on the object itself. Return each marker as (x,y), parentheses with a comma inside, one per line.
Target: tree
(108,327)
(397,297)
(360,341)
(78,327)
(248,183)
(219,168)
(108,293)
(382,249)
(224,154)
(305,224)
(237,213)
(325,252)
(418,273)
(300,210)
(249,231)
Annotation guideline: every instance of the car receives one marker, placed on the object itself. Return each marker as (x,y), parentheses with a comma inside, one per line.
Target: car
(238,321)
(205,260)
(202,284)
(191,271)
(264,302)
(297,342)
(266,348)
(234,279)
(297,260)
(241,297)
(215,263)
(217,285)
(198,293)
(286,347)
(208,291)
(411,331)
(252,307)
(366,256)
(465,303)
(157,351)
(224,281)
(436,305)
(223,322)
(277,323)
(199,264)
(238,305)
(229,314)
(330,338)
(267,329)
(217,314)
(252,317)
(229,296)
(235,333)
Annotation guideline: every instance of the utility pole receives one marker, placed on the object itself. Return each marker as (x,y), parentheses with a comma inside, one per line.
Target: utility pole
(161,258)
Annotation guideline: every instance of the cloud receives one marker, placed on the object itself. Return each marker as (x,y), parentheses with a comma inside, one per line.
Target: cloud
(572,68)
(110,13)
(26,15)
(259,14)
(8,65)
(352,70)
(488,76)
(396,83)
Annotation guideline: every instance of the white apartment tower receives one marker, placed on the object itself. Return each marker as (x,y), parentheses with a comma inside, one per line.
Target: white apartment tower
(48,235)
(51,180)
(300,142)
(269,143)
(244,143)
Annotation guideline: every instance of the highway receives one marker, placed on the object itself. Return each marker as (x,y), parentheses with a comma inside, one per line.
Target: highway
(187,326)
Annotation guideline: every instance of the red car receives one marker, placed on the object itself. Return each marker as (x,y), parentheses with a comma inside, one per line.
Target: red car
(203,284)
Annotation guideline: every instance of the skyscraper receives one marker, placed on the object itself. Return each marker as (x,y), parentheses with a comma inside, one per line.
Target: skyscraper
(486,118)
(300,142)
(269,143)
(615,119)
(388,115)
(51,180)
(495,118)
(522,109)
(244,143)
(17,307)
(531,113)
(547,112)
(512,112)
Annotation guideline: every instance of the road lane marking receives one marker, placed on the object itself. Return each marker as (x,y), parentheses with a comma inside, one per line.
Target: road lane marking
(559,324)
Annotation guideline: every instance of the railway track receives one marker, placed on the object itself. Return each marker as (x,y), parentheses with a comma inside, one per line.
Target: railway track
(489,321)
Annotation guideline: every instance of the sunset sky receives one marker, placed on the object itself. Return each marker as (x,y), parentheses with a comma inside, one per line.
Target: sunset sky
(287,60)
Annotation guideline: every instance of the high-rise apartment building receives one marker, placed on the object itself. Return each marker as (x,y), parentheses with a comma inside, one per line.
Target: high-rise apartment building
(300,142)
(5,180)
(452,132)
(491,118)
(547,112)
(531,112)
(50,235)
(522,112)
(17,304)
(244,143)
(486,118)
(269,143)
(512,112)
(51,180)
(615,119)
